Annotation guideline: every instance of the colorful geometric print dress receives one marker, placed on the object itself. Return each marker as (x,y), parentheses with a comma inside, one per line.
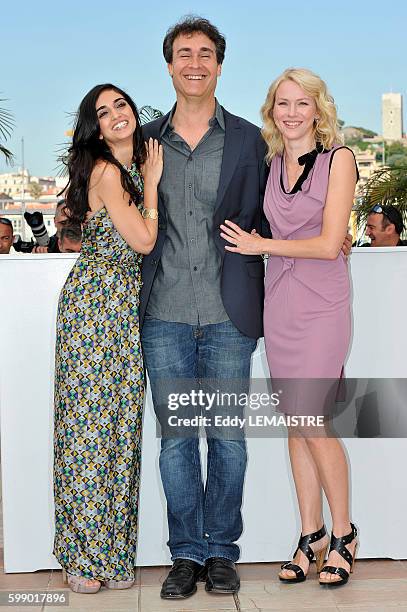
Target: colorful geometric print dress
(99,390)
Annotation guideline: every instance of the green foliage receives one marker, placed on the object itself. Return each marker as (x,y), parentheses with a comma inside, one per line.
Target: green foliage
(7,154)
(386,186)
(356,142)
(365,132)
(148,113)
(359,133)
(395,148)
(6,126)
(35,190)
(397,161)
(396,155)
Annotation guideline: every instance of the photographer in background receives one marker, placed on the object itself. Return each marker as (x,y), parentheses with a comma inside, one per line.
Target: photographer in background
(6,235)
(384,226)
(70,239)
(60,219)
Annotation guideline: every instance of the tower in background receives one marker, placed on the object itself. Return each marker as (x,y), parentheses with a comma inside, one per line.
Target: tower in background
(392,116)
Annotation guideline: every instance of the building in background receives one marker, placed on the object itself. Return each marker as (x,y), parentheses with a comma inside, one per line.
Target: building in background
(392,116)
(367,164)
(11,183)
(35,187)
(21,192)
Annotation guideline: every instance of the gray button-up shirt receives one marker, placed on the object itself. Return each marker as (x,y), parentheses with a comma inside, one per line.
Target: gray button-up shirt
(186,287)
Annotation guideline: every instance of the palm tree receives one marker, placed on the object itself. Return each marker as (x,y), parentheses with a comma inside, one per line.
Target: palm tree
(148,113)
(385,186)
(6,125)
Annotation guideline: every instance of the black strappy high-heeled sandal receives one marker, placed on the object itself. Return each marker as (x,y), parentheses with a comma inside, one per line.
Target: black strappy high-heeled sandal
(304,545)
(339,545)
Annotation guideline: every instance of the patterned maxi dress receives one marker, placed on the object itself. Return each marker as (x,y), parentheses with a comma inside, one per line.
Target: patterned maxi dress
(99,390)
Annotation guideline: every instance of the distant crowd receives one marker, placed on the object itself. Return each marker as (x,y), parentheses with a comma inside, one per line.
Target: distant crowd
(67,239)
(383,228)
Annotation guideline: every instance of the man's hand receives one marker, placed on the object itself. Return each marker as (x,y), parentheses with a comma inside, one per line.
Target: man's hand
(347,245)
(40,249)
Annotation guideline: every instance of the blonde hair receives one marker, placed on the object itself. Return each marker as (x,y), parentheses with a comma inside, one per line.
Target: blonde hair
(326,129)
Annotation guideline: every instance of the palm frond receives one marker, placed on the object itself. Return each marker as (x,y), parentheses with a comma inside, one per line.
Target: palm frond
(6,122)
(386,186)
(148,113)
(7,154)
(62,150)
(6,127)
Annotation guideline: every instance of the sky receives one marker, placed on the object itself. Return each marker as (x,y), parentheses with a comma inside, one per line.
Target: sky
(52,53)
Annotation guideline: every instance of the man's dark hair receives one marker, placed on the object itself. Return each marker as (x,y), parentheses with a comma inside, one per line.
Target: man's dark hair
(5,221)
(72,232)
(191,25)
(392,215)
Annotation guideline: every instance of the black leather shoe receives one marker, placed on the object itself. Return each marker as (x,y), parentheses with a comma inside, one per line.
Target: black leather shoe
(222,576)
(181,580)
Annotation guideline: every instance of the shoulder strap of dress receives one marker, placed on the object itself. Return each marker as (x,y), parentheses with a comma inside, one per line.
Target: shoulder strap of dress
(332,156)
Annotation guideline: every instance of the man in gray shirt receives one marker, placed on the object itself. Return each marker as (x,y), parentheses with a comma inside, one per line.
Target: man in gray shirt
(201,307)
(189,243)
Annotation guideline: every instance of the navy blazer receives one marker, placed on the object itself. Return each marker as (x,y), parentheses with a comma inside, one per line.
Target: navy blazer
(240,199)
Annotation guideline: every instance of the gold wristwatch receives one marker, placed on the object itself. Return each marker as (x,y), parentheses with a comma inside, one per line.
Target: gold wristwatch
(149,213)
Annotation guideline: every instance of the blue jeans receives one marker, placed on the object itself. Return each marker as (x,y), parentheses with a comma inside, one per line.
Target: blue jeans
(204,520)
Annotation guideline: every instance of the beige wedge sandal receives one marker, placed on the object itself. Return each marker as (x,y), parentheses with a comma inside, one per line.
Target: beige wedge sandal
(80,584)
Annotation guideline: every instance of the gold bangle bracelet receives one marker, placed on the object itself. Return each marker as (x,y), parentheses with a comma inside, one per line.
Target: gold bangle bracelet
(149,213)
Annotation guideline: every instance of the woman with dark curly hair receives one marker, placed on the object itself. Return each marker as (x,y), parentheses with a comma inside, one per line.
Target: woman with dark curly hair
(99,383)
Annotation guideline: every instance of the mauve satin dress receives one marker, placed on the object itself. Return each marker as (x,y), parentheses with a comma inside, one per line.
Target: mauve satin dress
(307,319)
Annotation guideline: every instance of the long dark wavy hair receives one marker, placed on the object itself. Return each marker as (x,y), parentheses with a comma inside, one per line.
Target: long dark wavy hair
(87,148)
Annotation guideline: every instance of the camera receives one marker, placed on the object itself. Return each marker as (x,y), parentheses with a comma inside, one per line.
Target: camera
(22,246)
(36,221)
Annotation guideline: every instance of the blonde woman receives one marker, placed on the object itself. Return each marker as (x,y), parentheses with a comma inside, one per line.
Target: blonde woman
(307,317)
